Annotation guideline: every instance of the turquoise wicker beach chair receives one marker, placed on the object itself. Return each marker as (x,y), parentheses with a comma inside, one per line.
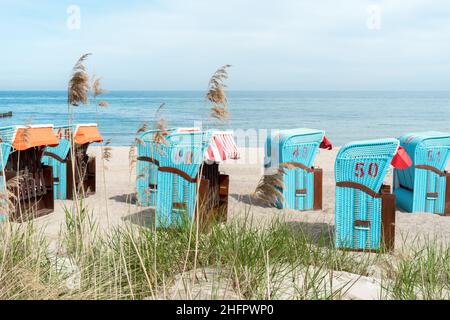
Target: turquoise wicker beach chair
(178,177)
(365,208)
(56,157)
(149,155)
(31,194)
(297,149)
(60,158)
(425,186)
(7,135)
(208,149)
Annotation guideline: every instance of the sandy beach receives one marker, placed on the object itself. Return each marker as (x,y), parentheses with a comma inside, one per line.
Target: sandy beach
(114,202)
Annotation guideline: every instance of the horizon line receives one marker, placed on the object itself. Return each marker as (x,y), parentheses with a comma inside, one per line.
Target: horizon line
(239,90)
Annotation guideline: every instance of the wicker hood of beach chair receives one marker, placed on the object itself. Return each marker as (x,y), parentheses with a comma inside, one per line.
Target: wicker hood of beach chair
(365,207)
(26,182)
(60,158)
(425,186)
(294,151)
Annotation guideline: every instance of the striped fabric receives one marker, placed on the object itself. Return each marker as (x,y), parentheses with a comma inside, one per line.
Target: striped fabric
(222,147)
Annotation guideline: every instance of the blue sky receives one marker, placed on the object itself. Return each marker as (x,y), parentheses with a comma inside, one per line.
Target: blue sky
(272,45)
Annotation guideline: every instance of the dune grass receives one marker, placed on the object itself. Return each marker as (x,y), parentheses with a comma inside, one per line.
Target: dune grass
(236,259)
(423,273)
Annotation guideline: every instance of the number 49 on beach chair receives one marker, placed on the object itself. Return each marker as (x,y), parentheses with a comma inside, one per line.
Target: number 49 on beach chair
(365,207)
(425,186)
(295,150)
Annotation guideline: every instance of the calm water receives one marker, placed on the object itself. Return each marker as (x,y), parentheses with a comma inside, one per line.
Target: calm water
(345,116)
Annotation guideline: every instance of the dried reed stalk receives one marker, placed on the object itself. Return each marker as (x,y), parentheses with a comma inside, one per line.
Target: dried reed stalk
(217,96)
(77,93)
(106,152)
(142,129)
(132,157)
(97,90)
(160,126)
(10,198)
(78,89)
(270,187)
(103,104)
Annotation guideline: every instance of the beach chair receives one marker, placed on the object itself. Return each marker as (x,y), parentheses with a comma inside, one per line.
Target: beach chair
(297,149)
(425,186)
(178,178)
(188,172)
(148,157)
(365,207)
(26,183)
(221,147)
(83,178)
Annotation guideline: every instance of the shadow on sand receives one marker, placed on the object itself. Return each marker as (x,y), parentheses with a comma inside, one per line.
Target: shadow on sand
(125,198)
(144,218)
(249,199)
(318,233)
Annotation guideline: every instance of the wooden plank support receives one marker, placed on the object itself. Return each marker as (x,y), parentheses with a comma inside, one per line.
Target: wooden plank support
(447,195)
(318,188)
(388,221)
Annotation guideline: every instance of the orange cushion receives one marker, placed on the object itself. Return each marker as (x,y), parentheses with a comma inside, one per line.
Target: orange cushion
(34,137)
(88,134)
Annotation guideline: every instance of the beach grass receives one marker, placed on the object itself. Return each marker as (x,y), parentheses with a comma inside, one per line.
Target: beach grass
(237,260)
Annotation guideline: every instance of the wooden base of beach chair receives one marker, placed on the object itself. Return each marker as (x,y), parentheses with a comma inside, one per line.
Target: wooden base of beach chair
(309,204)
(85,179)
(213,200)
(318,183)
(34,197)
(224,187)
(387,218)
(216,197)
(91,176)
(204,198)
(387,221)
(447,196)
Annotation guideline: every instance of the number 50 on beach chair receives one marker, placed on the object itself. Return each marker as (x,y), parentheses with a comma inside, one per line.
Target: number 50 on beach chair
(365,208)
(425,186)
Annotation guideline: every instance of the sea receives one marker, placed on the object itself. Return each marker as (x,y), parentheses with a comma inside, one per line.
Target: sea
(345,115)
